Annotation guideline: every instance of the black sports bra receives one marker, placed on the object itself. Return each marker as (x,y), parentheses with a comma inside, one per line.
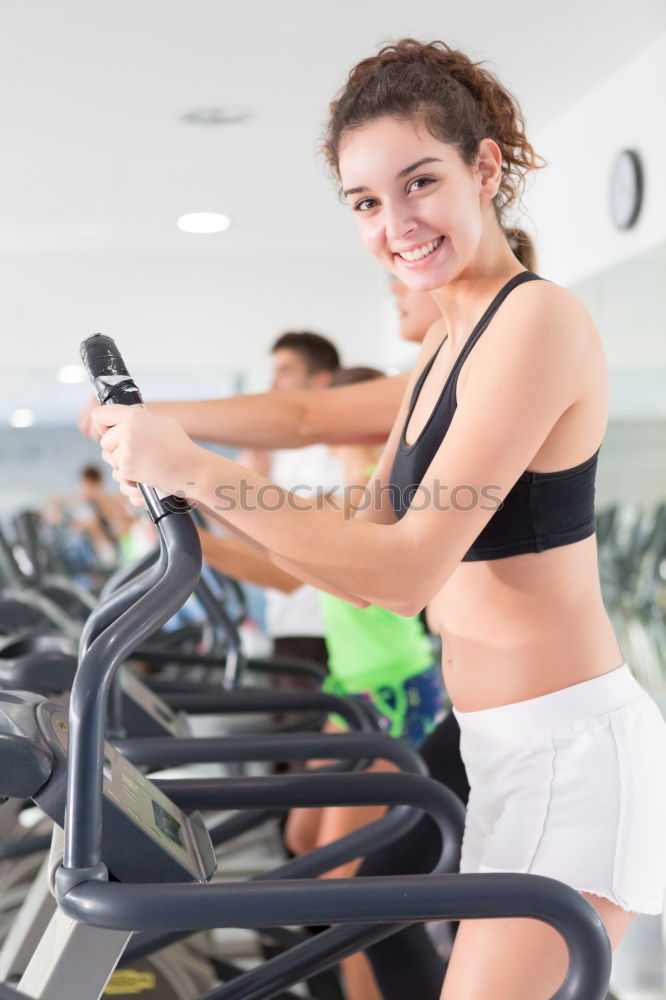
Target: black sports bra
(542,510)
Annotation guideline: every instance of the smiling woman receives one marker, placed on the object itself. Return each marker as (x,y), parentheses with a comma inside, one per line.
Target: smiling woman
(508,399)
(446,97)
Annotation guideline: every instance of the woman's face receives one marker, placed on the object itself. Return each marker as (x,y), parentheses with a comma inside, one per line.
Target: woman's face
(419,208)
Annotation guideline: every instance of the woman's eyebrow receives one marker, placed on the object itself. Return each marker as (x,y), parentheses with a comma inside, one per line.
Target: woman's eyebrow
(358,190)
(415,166)
(403,173)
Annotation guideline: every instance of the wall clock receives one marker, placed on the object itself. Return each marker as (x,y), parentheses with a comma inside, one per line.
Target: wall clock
(626,189)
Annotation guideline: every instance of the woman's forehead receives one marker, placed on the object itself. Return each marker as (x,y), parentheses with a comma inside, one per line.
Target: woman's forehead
(387,147)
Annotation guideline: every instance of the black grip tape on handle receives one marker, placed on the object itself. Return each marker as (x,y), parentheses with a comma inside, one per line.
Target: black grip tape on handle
(101,357)
(114,384)
(108,373)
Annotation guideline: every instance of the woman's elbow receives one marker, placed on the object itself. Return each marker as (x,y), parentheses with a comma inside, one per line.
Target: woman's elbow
(409,608)
(412,597)
(405,604)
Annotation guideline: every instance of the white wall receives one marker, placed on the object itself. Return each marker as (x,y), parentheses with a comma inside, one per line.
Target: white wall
(628,303)
(193,312)
(568,202)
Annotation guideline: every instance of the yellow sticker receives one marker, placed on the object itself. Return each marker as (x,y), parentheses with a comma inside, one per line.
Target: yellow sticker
(61,725)
(126,981)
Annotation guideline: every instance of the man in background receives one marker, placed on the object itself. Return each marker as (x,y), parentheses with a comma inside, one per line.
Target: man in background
(300,360)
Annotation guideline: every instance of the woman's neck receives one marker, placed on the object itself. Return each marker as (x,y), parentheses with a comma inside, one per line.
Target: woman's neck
(463,299)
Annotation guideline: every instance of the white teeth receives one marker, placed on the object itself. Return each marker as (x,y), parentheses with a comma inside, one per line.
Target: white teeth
(423,251)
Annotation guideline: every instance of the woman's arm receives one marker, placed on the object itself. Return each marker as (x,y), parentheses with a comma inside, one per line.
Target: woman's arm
(292,572)
(363,412)
(240,561)
(526,373)
(243,559)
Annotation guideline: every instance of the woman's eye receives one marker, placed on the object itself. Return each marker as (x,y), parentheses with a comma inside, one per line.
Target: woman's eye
(419,183)
(364,204)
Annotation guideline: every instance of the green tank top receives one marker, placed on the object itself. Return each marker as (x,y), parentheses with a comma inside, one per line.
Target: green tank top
(371,647)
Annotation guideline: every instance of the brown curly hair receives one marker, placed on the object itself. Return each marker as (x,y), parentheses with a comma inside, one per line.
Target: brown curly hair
(459,103)
(523,247)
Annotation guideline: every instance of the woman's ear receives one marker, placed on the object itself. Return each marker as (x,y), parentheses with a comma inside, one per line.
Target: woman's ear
(489,166)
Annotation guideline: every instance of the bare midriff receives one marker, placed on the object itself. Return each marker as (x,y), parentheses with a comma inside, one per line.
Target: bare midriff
(524,626)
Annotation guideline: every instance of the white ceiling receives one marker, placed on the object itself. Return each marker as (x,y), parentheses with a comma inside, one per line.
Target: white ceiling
(96,164)
(94,154)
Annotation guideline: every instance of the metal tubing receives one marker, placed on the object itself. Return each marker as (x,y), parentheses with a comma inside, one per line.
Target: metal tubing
(49,610)
(231,973)
(260,700)
(120,601)
(27,845)
(307,790)
(299,668)
(221,622)
(87,710)
(394,899)
(141,945)
(323,859)
(357,844)
(160,752)
(234,826)
(301,961)
(125,573)
(8,564)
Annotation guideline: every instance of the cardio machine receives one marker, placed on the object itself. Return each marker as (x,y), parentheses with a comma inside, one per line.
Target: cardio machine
(364,909)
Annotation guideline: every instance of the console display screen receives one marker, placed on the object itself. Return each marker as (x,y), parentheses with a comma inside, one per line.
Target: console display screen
(167,825)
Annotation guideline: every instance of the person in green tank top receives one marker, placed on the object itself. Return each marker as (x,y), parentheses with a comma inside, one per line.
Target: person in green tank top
(386,659)
(376,654)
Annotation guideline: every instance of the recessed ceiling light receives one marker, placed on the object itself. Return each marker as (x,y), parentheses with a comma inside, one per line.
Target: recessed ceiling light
(222,115)
(203,222)
(71,374)
(22,418)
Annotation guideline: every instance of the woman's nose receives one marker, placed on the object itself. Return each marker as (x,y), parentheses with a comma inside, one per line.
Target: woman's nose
(399,223)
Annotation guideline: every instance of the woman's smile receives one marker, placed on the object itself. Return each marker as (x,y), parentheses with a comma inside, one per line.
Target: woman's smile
(420,254)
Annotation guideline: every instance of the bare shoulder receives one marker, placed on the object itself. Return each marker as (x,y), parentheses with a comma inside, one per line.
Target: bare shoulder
(545,314)
(542,339)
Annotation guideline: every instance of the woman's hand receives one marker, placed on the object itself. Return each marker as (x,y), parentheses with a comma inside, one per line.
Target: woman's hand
(141,447)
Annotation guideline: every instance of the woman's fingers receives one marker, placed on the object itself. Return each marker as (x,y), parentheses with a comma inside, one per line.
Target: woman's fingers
(110,439)
(84,419)
(143,447)
(133,493)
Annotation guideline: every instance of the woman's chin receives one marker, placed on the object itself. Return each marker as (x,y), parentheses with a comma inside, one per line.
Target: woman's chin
(424,282)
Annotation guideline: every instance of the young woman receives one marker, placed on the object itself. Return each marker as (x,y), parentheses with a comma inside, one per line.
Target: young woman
(507,406)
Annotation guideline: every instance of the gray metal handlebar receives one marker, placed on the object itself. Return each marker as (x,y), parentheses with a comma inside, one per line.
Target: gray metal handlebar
(121,599)
(313,791)
(161,751)
(93,682)
(394,899)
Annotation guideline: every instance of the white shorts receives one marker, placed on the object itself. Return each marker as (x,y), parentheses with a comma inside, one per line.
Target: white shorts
(571,785)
